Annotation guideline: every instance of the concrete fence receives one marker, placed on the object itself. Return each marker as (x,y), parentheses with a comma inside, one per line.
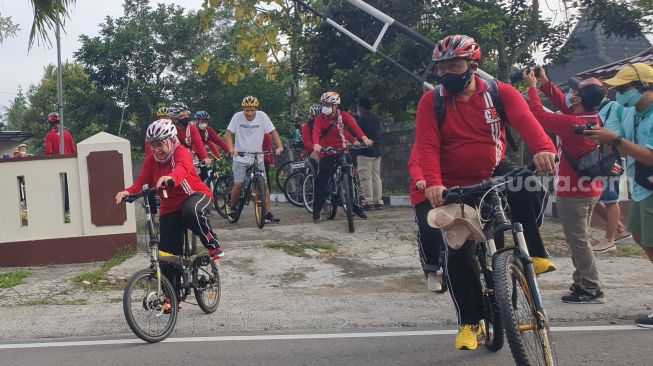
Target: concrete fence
(62,210)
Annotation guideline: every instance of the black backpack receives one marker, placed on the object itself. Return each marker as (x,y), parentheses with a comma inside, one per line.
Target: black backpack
(493,90)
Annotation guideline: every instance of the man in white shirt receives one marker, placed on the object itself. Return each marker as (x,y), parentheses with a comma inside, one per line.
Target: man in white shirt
(250,127)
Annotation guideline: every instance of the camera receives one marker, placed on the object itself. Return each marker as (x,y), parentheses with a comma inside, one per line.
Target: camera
(578,129)
(517,76)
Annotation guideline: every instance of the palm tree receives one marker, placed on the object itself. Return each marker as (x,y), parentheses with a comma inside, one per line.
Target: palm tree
(47,15)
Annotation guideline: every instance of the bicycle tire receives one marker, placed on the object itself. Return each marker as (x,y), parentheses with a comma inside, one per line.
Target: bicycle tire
(221,190)
(330,207)
(510,282)
(150,302)
(293,188)
(239,205)
(494,332)
(348,192)
(308,192)
(282,172)
(213,282)
(258,193)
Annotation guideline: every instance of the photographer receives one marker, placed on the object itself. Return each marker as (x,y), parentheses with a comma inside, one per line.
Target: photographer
(633,84)
(575,195)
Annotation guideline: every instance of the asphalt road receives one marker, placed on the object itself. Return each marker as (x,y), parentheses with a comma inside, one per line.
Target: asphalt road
(575,345)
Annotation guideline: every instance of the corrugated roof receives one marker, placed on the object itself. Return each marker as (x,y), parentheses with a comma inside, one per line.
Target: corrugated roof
(609,70)
(17,136)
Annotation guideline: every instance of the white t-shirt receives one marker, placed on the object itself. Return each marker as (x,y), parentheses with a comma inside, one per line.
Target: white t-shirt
(249,134)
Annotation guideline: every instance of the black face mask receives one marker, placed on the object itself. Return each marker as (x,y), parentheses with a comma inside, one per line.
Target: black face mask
(184,121)
(455,83)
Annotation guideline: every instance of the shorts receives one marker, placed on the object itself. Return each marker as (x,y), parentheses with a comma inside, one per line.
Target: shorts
(640,220)
(239,169)
(610,191)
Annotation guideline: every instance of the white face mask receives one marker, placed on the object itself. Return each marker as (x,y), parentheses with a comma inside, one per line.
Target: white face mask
(202,126)
(327,110)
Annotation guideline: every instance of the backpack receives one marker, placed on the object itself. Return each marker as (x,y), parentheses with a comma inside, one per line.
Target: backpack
(493,91)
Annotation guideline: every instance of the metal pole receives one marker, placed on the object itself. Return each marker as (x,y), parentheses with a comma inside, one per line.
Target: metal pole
(60,92)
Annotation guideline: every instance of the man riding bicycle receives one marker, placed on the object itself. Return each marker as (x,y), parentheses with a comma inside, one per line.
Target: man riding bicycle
(187,133)
(330,129)
(250,127)
(184,204)
(467,146)
(208,134)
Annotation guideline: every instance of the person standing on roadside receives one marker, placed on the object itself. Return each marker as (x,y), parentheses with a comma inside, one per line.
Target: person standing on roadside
(634,86)
(369,160)
(52,142)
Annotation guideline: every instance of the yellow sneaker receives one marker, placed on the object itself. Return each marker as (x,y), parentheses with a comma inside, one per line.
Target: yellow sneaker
(543,265)
(466,338)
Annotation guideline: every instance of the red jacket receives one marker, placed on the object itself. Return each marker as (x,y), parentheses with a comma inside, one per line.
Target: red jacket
(337,134)
(181,169)
(575,145)
(211,138)
(267,146)
(52,143)
(192,140)
(472,140)
(415,176)
(307,139)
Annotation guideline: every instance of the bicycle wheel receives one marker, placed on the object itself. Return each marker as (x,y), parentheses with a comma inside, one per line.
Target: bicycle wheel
(307,192)
(293,187)
(239,205)
(258,194)
(221,192)
(282,173)
(493,328)
(208,291)
(348,199)
(527,329)
(150,315)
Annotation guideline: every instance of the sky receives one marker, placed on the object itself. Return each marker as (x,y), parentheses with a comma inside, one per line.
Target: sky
(20,68)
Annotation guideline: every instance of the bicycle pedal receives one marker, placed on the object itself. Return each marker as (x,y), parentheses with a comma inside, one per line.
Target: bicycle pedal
(202,260)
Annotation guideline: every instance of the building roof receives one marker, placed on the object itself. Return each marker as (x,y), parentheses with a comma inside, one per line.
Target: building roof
(607,71)
(596,49)
(16,136)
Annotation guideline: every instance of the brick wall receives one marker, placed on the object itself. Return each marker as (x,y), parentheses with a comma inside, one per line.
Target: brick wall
(395,151)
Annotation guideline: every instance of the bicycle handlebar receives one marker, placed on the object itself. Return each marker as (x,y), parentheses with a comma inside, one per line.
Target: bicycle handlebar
(455,194)
(335,150)
(145,191)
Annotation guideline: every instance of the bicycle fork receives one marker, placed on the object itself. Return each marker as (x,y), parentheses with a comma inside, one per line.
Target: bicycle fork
(527,262)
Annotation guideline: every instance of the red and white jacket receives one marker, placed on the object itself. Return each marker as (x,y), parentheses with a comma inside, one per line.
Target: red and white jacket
(181,169)
(472,140)
(211,138)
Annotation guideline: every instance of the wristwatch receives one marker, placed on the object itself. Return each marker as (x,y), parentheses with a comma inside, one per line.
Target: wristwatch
(616,141)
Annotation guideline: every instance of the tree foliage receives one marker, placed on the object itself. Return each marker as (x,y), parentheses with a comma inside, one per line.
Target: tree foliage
(8,28)
(48,14)
(626,18)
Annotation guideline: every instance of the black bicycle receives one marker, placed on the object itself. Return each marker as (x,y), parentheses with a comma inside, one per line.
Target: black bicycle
(511,296)
(253,189)
(283,171)
(293,188)
(341,188)
(221,183)
(151,302)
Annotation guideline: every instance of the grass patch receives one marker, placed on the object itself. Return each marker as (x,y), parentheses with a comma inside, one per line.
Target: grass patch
(97,281)
(299,249)
(54,302)
(11,279)
(629,251)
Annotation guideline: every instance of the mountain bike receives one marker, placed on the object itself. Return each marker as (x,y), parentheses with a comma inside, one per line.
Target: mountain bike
(151,302)
(221,183)
(284,170)
(341,188)
(293,188)
(253,188)
(511,297)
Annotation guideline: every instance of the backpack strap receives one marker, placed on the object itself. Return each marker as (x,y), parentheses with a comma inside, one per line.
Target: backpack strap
(493,89)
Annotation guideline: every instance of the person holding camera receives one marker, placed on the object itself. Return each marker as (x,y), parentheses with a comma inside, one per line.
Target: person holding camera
(576,194)
(634,86)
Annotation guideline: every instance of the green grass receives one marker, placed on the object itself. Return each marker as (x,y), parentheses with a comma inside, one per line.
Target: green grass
(11,279)
(299,249)
(97,280)
(54,302)
(629,251)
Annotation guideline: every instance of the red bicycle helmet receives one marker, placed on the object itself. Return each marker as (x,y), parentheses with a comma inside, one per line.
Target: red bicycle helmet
(457,46)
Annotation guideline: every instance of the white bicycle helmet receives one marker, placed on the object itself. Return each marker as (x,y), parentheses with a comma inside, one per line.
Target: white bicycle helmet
(160,129)
(315,110)
(330,97)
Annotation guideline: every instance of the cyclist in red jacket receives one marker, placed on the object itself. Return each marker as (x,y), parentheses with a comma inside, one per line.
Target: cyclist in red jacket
(187,133)
(330,129)
(187,200)
(208,134)
(468,146)
(52,142)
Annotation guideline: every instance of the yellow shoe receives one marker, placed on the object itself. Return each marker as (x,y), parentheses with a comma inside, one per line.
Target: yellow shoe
(466,338)
(543,265)
(167,257)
